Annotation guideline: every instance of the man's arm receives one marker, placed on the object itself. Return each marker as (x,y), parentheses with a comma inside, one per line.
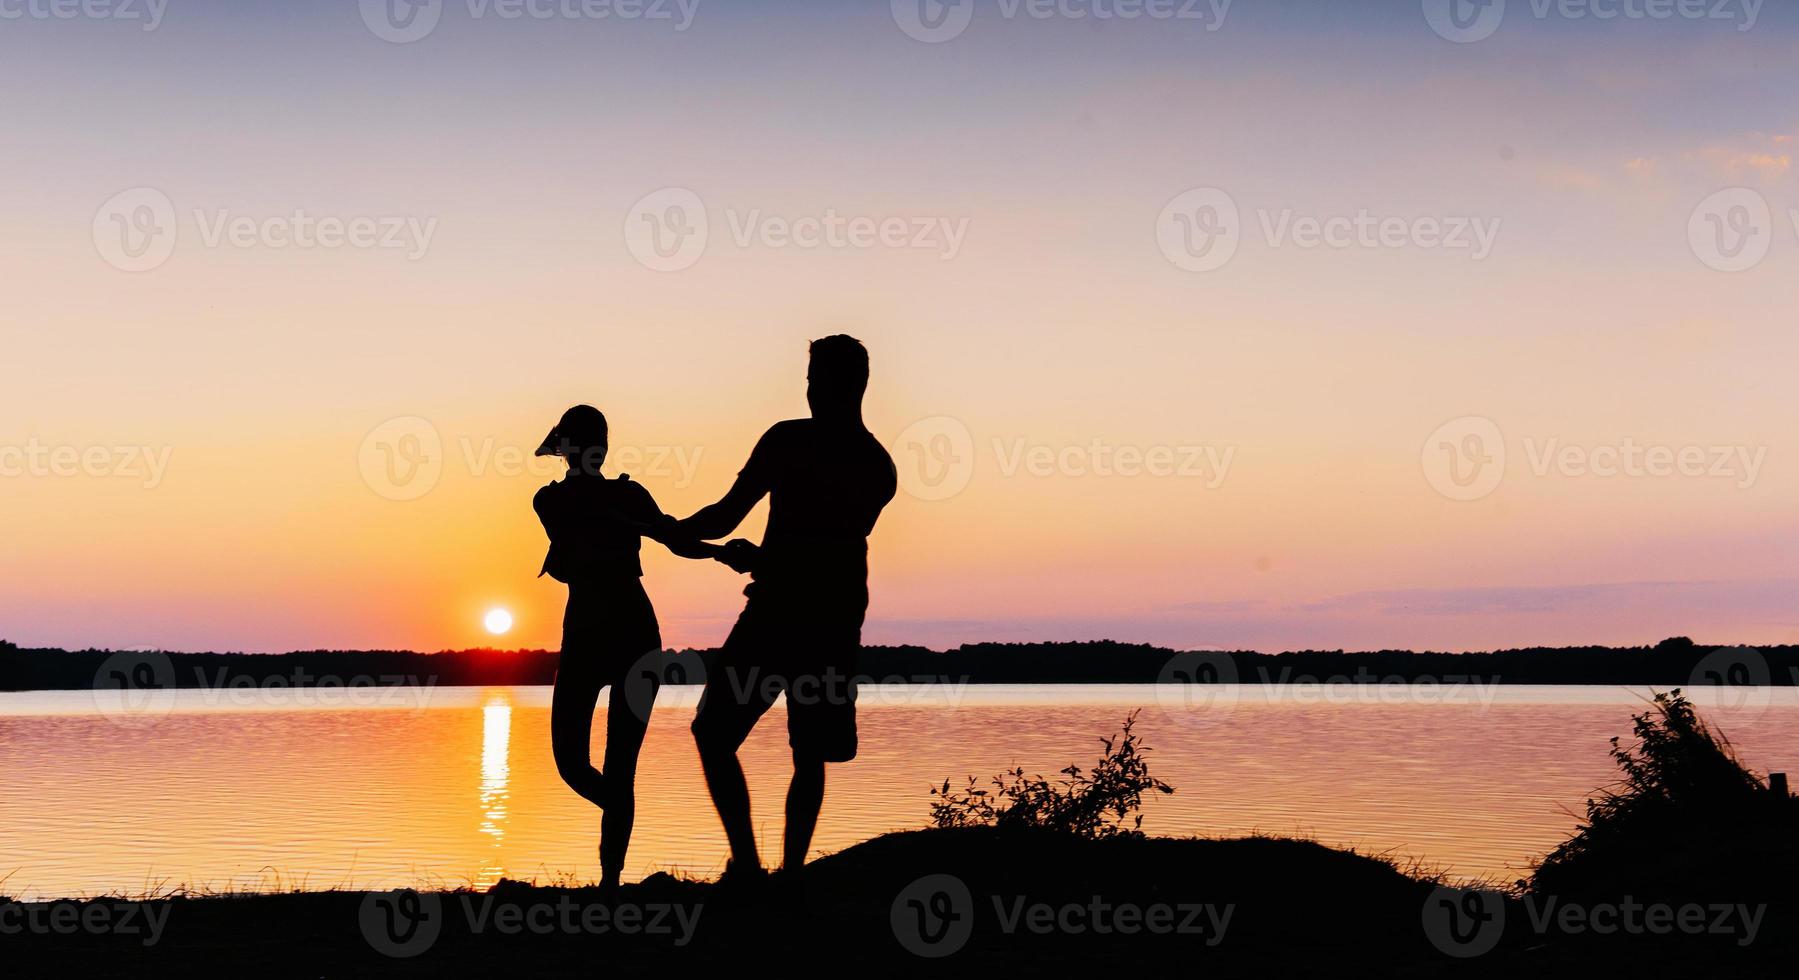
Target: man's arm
(720,519)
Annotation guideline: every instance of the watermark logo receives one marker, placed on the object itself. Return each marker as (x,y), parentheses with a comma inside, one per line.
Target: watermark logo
(1464,21)
(1199,229)
(666,230)
(1196,685)
(1740,674)
(1464,459)
(933,21)
(401,923)
(135,230)
(933,917)
(1732,230)
(402,458)
(401,21)
(135,688)
(935,457)
(1464,922)
(656,670)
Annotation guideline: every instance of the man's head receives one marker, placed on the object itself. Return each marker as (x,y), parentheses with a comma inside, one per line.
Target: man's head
(837,377)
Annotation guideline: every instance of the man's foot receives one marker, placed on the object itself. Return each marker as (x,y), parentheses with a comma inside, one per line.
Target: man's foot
(743,878)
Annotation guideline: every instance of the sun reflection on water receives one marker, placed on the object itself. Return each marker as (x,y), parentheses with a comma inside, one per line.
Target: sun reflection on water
(496,739)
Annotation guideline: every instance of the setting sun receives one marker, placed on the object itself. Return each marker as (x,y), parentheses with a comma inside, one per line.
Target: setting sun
(497,621)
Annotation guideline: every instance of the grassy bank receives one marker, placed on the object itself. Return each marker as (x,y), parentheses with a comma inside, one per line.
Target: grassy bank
(1006,899)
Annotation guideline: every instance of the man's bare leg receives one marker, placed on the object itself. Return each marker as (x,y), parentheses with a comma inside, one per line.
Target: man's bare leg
(805,797)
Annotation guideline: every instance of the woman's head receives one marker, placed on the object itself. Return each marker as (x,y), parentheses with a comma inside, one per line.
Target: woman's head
(580,438)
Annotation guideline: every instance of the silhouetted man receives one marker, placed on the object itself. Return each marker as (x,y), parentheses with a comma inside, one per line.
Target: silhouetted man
(827,479)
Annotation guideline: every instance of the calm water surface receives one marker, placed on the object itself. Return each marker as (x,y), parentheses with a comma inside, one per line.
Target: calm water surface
(456,785)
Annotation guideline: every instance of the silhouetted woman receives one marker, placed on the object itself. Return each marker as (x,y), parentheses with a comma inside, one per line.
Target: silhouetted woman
(595,526)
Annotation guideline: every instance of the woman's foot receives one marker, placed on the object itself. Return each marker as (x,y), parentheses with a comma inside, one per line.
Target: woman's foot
(610,888)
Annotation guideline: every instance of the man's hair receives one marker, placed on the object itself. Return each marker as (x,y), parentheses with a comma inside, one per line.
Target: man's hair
(840,361)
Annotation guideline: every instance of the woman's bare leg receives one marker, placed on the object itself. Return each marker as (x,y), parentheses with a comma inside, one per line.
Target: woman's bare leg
(624,739)
(571,728)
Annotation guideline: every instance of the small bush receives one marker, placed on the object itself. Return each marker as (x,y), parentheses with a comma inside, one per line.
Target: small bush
(1100,803)
(1687,818)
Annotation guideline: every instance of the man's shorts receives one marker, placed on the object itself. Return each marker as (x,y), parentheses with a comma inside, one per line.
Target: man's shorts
(803,648)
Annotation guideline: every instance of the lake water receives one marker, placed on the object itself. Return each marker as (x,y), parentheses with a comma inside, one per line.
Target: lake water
(321,789)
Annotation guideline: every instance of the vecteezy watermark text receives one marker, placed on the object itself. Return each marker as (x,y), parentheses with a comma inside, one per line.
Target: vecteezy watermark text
(1470,922)
(137,688)
(148,464)
(405,21)
(1197,686)
(1200,230)
(404,458)
(149,12)
(668,230)
(1467,21)
(1465,459)
(137,230)
(144,921)
(936,21)
(936,458)
(935,916)
(403,923)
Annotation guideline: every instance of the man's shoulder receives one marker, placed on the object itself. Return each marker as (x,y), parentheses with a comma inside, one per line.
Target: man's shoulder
(879,448)
(789,428)
(783,436)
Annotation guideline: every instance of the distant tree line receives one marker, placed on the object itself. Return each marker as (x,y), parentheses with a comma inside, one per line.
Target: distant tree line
(1676,662)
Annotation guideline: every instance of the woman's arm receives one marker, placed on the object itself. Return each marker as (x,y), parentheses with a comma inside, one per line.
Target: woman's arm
(667,530)
(652,523)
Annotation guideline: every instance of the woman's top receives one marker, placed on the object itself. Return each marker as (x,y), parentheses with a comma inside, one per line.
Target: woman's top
(596,527)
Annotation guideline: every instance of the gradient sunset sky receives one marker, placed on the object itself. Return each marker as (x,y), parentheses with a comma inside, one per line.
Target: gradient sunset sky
(282,385)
